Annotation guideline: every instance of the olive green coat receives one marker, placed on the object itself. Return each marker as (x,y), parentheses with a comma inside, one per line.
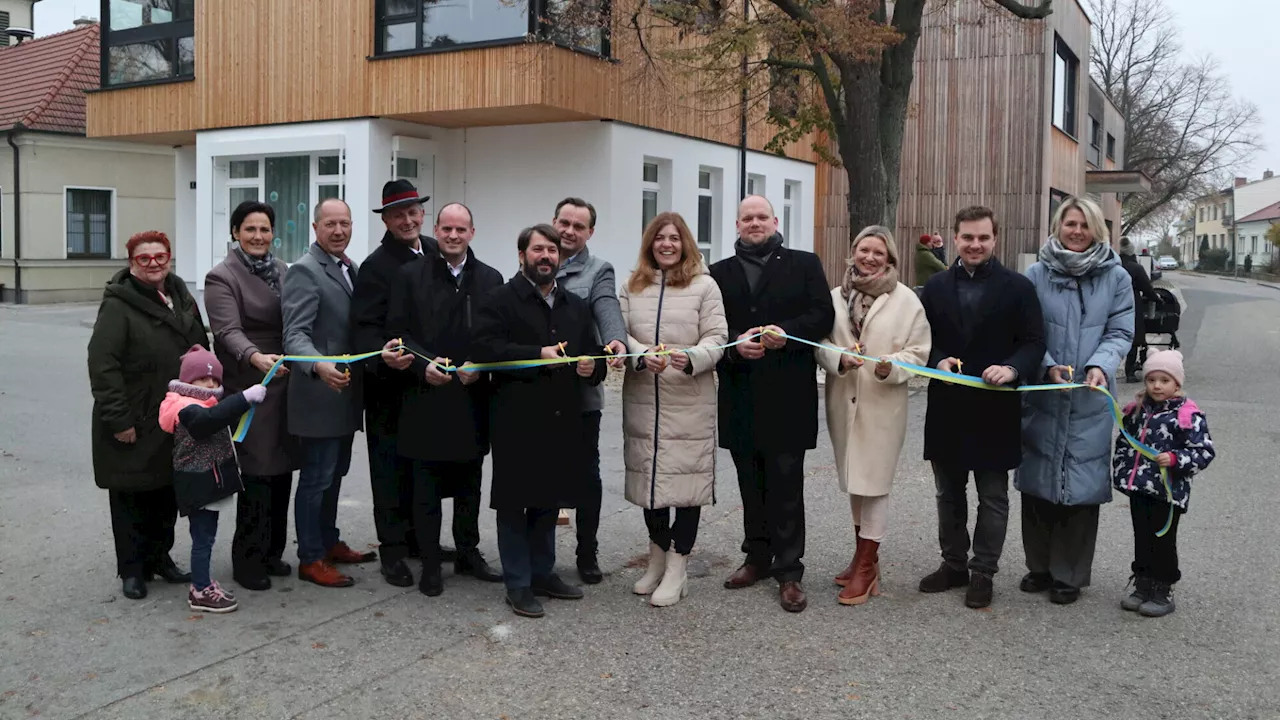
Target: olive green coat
(135,350)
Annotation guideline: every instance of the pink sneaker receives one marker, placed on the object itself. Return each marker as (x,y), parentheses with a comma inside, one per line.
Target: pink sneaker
(212,599)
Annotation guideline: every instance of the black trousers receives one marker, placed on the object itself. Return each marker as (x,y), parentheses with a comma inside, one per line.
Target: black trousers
(262,523)
(1059,540)
(772,488)
(587,515)
(1154,557)
(683,533)
(951,484)
(391,479)
(430,481)
(142,525)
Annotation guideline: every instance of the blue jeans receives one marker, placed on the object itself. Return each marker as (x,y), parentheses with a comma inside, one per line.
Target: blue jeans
(315,505)
(526,545)
(204,529)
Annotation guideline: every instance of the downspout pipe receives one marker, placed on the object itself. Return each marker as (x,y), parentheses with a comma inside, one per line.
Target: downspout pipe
(17,215)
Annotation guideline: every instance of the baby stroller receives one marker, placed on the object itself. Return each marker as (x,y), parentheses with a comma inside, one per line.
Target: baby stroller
(1161,317)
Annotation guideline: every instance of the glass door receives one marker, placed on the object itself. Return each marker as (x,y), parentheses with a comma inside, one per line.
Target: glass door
(414,160)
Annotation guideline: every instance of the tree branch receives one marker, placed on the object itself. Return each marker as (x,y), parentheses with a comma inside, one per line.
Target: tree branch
(1039,12)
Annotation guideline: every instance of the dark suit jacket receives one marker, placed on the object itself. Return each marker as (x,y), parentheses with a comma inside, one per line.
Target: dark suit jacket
(383,387)
(967,427)
(771,404)
(1142,289)
(435,317)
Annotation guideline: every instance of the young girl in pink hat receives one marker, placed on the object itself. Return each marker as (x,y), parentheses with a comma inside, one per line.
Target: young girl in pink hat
(1172,424)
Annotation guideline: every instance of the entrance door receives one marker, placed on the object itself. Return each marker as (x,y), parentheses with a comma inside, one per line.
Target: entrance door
(414,160)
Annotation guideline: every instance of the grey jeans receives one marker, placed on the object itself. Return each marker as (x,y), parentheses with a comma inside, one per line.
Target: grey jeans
(953,517)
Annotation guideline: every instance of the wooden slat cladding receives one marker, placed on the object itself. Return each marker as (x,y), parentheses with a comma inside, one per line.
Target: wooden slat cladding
(1065,161)
(285,61)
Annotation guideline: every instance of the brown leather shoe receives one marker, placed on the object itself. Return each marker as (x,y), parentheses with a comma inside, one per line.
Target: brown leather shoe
(791,596)
(743,577)
(342,553)
(322,573)
(866,576)
(847,574)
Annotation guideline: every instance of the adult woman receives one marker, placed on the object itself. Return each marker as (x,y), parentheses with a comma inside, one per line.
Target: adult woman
(146,321)
(242,296)
(669,401)
(878,316)
(1087,300)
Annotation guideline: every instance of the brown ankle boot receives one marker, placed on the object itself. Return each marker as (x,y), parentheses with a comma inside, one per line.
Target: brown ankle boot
(847,574)
(866,575)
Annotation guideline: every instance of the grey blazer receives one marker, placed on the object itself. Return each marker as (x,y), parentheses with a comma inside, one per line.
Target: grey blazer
(316,302)
(592,279)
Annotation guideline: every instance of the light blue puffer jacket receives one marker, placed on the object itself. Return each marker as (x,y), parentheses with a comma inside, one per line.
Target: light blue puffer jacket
(1066,435)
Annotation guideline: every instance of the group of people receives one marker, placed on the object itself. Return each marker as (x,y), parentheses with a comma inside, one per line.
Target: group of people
(166,400)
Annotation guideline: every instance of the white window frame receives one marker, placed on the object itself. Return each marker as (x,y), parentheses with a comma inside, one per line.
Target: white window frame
(111,239)
(716,183)
(791,206)
(756,184)
(651,186)
(259,183)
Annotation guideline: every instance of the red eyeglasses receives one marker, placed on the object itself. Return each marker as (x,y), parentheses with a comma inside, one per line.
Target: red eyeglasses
(157,260)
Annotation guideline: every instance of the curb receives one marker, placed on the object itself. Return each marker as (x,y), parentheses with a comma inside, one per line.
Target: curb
(1269,285)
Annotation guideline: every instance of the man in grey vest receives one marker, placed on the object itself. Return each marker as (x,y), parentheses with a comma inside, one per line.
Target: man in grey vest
(591,279)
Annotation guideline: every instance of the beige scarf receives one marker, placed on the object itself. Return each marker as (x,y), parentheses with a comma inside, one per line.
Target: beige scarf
(860,292)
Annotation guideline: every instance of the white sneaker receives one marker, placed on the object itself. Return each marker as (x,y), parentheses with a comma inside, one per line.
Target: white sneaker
(675,581)
(653,575)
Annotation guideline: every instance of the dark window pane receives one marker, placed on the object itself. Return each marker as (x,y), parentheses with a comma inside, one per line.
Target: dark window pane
(126,14)
(650,173)
(187,56)
(704,219)
(140,62)
(454,22)
(287,183)
(328,191)
(407,168)
(576,23)
(89,223)
(648,208)
(704,180)
(401,7)
(328,165)
(241,169)
(398,37)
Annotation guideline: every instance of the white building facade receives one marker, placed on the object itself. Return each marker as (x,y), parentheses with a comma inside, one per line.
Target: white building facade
(509,176)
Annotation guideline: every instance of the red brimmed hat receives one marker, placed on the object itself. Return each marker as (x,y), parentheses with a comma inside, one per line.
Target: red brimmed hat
(399,192)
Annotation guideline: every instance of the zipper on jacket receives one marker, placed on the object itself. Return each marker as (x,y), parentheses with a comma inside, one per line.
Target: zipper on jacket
(1080,294)
(657,393)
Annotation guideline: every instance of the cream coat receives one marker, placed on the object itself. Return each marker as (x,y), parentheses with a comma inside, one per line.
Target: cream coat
(867,416)
(669,420)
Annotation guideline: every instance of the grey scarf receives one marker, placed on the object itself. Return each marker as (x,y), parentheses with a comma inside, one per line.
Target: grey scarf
(1075,264)
(264,268)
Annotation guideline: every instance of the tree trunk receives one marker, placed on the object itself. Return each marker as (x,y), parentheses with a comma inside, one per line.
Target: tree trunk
(861,153)
(896,74)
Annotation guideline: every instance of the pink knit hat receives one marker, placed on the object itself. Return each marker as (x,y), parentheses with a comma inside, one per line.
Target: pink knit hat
(199,363)
(1167,361)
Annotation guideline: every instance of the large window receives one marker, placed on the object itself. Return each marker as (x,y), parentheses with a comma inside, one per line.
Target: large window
(88,222)
(147,41)
(411,26)
(292,185)
(1066,71)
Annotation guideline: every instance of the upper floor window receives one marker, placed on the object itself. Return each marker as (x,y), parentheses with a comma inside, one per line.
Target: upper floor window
(147,41)
(412,26)
(4,27)
(1111,147)
(1066,71)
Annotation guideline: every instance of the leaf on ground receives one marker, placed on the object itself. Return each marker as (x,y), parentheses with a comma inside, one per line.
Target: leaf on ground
(91,676)
(379,614)
(195,617)
(852,697)
(37,633)
(318,646)
(606,676)
(101,621)
(9,693)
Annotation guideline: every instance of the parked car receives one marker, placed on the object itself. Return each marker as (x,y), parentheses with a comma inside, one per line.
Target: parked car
(1168,262)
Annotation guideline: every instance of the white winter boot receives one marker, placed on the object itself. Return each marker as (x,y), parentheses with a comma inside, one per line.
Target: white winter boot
(652,576)
(675,581)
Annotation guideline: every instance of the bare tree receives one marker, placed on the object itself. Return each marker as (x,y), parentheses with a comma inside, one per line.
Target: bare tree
(1183,127)
(841,69)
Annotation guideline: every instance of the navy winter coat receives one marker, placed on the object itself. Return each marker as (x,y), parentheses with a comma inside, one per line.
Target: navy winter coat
(1175,425)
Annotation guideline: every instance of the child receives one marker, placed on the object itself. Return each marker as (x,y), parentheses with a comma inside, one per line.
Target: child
(206,474)
(1163,418)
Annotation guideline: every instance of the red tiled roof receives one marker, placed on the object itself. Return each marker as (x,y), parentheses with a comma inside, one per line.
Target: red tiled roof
(1270,212)
(45,80)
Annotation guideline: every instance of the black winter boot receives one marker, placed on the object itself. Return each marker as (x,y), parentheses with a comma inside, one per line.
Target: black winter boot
(1160,602)
(1141,593)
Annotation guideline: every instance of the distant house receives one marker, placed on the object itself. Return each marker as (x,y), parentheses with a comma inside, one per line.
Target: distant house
(1221,215)
(68,203)
(1251,235)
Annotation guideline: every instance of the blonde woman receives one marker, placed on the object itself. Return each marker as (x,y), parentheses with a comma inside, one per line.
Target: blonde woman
(669,401)
(877,316)
(1087,299)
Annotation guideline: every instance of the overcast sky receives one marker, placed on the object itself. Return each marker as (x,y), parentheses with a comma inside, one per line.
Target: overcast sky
(1239,33)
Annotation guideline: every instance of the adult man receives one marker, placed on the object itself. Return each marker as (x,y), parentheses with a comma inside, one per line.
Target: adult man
(985,321)
(927,262)
(768,394)
(591,279)
(536,415)
(443,417)
(390,476)
(938,249)
(1142,290)
(324,399)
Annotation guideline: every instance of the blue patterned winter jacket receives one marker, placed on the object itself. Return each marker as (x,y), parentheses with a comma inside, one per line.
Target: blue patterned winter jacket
(1175,425)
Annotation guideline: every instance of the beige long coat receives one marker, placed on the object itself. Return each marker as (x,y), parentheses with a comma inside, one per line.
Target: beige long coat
(669,420)
(867,416)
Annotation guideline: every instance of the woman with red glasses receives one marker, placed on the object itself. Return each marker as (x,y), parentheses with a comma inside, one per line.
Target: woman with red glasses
(146,321)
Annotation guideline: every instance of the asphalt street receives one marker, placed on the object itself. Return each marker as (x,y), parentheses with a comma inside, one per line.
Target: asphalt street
(72,646)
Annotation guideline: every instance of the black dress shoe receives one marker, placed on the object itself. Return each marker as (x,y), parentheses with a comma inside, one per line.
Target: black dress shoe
(278,568)
(397,574)
(553,587)
(524,604)
(979,593)
(589,570)
(431,583)
(1063,594)
(134,588)
(473,564)
(1035,582)
(170,572)
(252,581)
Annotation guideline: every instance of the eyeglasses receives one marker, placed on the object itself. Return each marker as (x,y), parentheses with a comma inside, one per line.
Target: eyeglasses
(157,260)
